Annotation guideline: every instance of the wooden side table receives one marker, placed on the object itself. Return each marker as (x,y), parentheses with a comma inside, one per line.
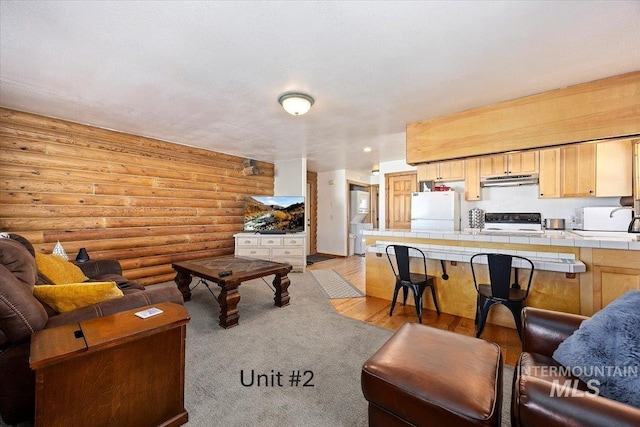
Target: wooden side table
(113,370)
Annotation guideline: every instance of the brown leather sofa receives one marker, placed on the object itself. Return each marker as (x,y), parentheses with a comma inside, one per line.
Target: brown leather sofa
(534,404)
(21,314)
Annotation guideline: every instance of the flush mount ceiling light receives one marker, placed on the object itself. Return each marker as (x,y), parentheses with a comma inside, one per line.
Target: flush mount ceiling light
(375,172)
(295,103)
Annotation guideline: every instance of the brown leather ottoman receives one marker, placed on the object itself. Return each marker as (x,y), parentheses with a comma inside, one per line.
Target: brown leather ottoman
(424,376)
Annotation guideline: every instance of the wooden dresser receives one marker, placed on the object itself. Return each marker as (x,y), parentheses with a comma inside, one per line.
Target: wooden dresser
(289,248)
(112,370)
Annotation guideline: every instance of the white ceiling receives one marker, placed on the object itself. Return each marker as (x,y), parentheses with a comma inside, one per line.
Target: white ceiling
(208,74)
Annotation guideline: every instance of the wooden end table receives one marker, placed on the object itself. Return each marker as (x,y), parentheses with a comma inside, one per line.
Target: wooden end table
(243,269)
(112,370)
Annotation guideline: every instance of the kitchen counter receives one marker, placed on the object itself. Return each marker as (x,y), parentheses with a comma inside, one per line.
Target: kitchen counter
(588,239)
(574,273)
(549,261)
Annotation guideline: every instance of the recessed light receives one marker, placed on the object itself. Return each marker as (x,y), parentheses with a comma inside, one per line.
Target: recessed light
(367,149)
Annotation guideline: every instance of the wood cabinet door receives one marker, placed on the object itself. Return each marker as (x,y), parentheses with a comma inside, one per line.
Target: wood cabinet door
(523,163)
(549,185)
(452,170)
(610,283)
(493,165)
(614,168)
(636,189)
(431,172)
(578,166)
(399,189)
(472,189)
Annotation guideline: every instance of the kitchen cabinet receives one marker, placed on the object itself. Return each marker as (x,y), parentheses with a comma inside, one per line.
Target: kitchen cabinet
(591,111)
(614,168)
(602,169)
(614,273)
(578,167)
(526,162)
(636,151)
(549,183)
(442,171)
(472,189)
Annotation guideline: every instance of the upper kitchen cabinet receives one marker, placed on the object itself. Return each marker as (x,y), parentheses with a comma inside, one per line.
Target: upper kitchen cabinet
(614,168)
(442,171)
(472,190)
(578,167)
(636,151)
(549,183)
(525,162)
(591,111)
(602,169)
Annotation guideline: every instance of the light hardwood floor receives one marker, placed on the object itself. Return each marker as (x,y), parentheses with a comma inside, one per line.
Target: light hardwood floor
(376,310)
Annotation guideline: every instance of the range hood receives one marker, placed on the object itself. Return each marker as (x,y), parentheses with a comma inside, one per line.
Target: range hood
(509,180)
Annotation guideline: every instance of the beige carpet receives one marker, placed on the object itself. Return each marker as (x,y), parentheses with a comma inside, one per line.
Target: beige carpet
(307,338)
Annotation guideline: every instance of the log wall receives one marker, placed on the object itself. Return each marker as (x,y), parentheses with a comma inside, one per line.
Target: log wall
(145,202)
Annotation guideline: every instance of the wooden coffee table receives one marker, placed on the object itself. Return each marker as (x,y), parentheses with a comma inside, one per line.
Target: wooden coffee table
(243,269)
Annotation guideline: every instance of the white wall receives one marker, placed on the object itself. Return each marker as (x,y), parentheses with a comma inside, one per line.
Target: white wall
(332,213)
(290,178)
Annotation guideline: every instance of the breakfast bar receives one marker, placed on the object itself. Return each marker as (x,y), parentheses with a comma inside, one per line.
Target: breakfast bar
(574,273)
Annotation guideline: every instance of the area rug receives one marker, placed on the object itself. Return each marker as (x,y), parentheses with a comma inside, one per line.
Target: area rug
(292,366)
(312,259)
(334,285)
(306,356)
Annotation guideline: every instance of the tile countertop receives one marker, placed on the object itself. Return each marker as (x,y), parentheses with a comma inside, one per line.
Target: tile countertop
(604,240)
(550,261)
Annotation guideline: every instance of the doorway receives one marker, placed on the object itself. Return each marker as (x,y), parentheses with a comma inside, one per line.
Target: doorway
(312,212)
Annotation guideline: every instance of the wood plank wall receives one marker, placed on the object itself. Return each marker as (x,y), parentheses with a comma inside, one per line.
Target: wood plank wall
(144,202)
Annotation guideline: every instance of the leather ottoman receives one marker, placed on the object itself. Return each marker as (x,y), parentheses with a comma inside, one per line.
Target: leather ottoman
(424,376)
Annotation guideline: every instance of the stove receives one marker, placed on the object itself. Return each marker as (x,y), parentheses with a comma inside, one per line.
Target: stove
(513,223)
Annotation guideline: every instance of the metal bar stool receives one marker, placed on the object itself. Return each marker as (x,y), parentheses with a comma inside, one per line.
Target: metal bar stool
(500,289)
(406,280)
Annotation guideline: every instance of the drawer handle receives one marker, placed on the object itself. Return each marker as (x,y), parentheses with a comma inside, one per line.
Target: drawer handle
(269,241)
(287,252)
(247,241)
(252,252)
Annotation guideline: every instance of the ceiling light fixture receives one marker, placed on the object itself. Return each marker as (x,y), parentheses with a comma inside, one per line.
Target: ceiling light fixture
(367,149)
(295,103)
(375,172)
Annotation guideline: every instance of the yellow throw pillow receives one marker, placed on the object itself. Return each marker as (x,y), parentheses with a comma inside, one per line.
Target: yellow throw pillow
(58,270)
(68,297)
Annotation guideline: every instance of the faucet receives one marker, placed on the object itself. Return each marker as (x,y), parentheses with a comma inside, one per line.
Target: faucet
(618,209)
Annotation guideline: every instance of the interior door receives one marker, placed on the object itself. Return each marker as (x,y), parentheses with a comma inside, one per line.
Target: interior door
(375,197)
(312,209)
(399,188)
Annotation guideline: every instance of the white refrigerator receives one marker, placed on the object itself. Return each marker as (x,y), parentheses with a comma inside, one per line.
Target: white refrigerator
(435,210)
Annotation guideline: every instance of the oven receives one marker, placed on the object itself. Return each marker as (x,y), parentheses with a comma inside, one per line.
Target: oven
(512,222)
